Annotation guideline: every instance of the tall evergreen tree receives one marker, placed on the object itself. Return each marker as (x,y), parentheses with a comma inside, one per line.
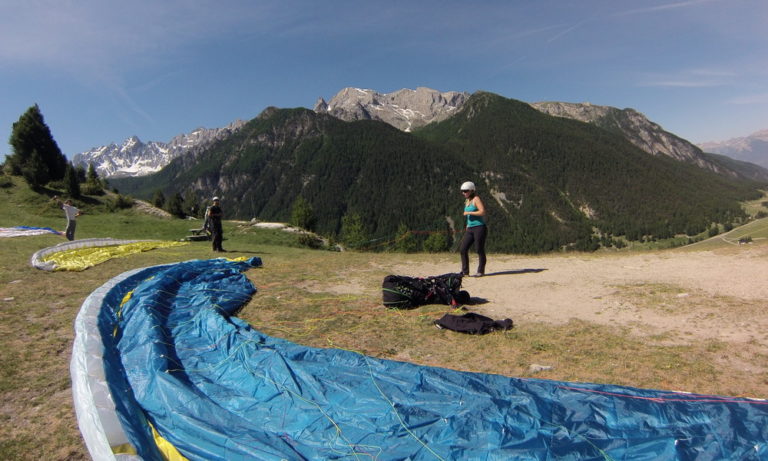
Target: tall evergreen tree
(191,204)
(91,175)
(158,199)
(176,205)
(71,181)
(93,185)
(353,232)
(302,215)
(35,153)
(34,170)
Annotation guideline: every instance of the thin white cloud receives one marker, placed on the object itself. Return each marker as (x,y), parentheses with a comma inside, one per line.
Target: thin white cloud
(664,7)
(100,43)
(566,31)
(90,36)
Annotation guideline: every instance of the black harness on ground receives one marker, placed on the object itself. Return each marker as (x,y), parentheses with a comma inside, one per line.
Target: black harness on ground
(402,292)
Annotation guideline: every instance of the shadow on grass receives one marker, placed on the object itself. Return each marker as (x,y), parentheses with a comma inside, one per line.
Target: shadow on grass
(515,272)
(476,301)
(250,252)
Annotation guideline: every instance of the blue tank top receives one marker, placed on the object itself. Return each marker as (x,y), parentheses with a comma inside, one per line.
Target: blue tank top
(472,220)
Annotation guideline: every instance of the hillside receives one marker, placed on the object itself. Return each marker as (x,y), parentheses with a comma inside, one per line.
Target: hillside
(548,181)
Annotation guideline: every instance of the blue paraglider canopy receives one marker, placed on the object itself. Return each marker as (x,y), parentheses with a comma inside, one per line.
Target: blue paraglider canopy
(177,361)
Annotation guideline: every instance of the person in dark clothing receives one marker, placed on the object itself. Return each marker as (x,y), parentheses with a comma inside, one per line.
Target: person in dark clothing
(476,229)
(217,234)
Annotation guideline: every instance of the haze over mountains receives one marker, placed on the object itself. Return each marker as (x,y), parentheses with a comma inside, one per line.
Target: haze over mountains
(549,182)
(752,148)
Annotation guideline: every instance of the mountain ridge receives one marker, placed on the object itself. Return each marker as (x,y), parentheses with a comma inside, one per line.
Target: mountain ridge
(549,182)
(135,158)
(410,110)
(752,148)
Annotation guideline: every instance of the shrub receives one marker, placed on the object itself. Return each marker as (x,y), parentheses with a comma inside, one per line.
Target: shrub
(309,241)
(5,181)
(120,202)
(436,243)
(92,188)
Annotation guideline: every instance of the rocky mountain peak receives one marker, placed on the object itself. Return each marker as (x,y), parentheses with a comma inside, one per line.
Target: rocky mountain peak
(405,109)
(135,158)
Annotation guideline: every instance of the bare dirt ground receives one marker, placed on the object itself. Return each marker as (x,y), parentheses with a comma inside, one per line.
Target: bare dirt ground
(684,296)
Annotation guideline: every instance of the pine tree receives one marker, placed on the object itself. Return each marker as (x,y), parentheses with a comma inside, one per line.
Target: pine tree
(406,241)
(91,175)
(71,181)
(36,155)
(158,199)
(191,205)
(302,215)
(34,170)
(353,232)
(176,205)
(93,185)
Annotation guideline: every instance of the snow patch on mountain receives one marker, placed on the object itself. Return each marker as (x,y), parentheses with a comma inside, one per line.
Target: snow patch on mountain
(136,158)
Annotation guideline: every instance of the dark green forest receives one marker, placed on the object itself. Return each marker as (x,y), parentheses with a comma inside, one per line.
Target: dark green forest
(549,183)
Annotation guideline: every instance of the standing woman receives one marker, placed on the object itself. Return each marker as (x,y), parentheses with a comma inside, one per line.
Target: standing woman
(476,230)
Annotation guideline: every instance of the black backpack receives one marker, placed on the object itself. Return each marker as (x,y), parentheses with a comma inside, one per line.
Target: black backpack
(472,323)
(402,292)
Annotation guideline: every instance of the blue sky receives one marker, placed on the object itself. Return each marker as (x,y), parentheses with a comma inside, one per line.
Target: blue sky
(104,70)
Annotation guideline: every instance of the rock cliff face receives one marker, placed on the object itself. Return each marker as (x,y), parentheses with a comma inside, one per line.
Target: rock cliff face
(404,109)
(135,158)
(640,131)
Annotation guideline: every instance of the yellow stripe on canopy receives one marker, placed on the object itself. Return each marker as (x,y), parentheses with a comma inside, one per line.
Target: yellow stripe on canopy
(79,259)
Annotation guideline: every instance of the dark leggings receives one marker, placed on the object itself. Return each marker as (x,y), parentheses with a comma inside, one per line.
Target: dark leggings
(70,232)
(472,235)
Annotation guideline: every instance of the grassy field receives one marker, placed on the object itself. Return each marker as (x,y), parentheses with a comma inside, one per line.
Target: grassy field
(302,297)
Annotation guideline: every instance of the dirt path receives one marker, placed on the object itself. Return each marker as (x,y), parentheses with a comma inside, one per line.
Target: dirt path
(688,295)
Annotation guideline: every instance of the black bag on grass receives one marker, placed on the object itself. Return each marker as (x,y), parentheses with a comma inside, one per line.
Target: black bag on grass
(402,292)
(472,323)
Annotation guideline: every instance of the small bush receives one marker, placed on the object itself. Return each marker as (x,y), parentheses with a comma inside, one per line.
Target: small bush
(92,188)
(309,241)
(5,181)
(58,185)
(436,243)
(120,202)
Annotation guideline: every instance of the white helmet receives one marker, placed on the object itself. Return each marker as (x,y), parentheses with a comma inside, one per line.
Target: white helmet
(469,185)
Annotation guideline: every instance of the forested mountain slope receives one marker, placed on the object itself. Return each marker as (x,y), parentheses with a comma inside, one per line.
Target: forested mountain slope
(549,182)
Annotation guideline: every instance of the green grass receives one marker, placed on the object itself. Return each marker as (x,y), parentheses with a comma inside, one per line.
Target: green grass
(311,297)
